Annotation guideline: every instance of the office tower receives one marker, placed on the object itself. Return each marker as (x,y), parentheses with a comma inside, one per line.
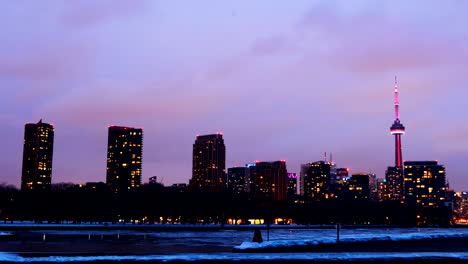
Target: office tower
(250,177)
(292,185)
(373,187)
(382,189)
(394,184)
(425,184)
(315,180)
(37,156)
(271,181)
(237,180)
(339,187)
(124,157)
(209,163)
(394,174)
(359,186)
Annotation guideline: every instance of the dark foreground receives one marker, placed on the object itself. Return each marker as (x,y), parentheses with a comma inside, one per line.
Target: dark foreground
(112,247)
(259,258)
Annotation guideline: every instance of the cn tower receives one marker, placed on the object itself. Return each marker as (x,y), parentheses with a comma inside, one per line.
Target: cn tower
(397,129)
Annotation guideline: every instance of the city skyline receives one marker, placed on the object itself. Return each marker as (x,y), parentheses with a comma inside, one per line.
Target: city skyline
(290,81)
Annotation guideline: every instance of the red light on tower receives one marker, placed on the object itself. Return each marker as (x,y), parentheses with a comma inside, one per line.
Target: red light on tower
(347,169)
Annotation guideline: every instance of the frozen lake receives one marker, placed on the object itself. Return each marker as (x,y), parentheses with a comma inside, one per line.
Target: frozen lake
(170,244)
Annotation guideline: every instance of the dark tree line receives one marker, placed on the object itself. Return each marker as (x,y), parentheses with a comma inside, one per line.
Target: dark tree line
(157,204)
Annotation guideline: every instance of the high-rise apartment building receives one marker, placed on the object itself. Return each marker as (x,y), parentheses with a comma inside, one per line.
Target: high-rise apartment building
(124,158)
(37,156)
(373,187)
(394,179)
(315,180)
(339,185)
(270,181)
(292,185)
(237,179)
(209,163)
(425,184)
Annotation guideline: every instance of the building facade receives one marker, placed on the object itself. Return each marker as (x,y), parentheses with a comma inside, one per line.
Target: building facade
(270,181)
(37,156)
(359,186)
(292,185)
(124,158)
(425,184)
(209,163)
(339,186)
(237,179)
(394,180)
(315,180)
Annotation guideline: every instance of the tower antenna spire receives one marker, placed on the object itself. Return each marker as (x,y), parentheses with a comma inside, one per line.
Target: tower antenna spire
(397,104)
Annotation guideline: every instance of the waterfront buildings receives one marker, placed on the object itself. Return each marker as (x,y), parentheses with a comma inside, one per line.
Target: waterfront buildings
(394,184)
(124,158)
(340,185)
(292,185)
(37,156)
(237,179)
(425,184)
(209,162)
(373,187)
(270,181)
(315,180)
(359,186)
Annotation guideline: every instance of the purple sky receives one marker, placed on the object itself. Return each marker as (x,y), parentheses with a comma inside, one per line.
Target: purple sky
(281,79)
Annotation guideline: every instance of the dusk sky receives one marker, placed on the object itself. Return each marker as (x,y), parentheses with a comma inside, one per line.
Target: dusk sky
(281,79)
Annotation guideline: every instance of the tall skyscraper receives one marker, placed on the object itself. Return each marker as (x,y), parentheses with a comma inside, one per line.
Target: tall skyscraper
(425,183)
(124,157)
(315,180)
(271,181)
(394,174)
(37,156)
(209,163)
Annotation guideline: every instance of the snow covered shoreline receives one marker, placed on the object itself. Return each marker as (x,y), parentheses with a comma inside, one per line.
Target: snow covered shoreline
(416,242)
(311,258)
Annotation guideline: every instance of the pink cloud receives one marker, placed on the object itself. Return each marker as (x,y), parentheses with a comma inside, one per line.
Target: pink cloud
(102,102)
(372,40)
(45,62)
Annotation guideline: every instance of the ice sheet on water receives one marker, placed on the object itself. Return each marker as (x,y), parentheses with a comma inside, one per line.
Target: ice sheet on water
(240,257)
(355,236)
